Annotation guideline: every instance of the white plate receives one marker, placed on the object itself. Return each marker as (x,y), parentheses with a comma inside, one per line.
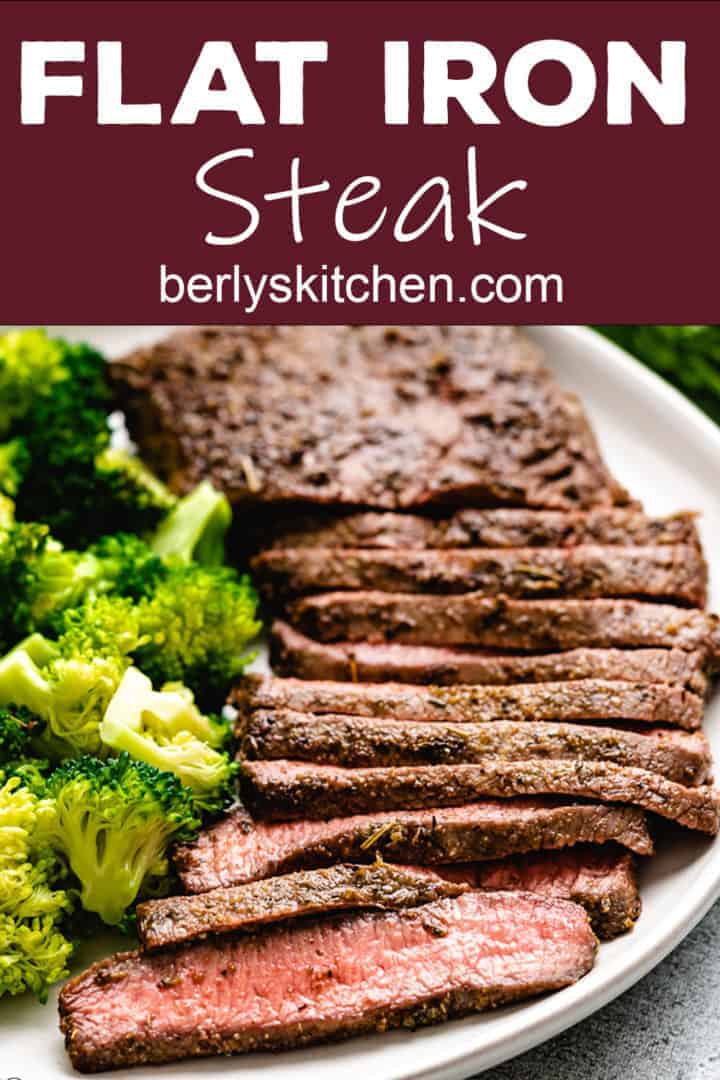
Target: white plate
(667,453)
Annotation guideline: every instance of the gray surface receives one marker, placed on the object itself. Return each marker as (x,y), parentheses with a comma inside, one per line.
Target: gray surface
(665,1028)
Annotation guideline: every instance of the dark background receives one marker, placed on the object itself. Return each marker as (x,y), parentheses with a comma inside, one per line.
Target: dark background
(627,214)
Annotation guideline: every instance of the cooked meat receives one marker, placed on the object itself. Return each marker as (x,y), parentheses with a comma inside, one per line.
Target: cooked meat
(601,879)
(501,528)
(385,417)
(294,654)
(357,741)
(324,979)
(382,886)
(474,619)
(286,790)
(237,849)
(665,572)
(584,699)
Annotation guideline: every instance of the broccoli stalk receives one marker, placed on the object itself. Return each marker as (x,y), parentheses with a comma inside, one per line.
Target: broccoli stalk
(194,531)
(165,728)
(113,822)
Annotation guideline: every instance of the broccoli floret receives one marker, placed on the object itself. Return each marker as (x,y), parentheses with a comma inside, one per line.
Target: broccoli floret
(14,463)
(69,683)
(40,579)
(17,728)
(64,431)
(31,364)
(34,953)
(196,625)
(113,822)
(21,544)
(166,729)
(195,530)
(132,489)
(127,565)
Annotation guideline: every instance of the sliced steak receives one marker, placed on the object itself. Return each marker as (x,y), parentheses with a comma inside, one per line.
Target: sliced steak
(601,879)
(385,417)
(474,619)
(382,886)
(501,528)
(357,741)
(326,979)
(237,850)
(584,699)
(665,572)
(287,790)
(294,654)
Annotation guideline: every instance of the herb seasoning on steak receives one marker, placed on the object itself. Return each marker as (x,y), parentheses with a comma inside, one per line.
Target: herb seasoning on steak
(334,739)
(387,417)
(664,572)
(585,699)
(287,790)
(502,528)
(294,654)
(472,619)
(382,886)
(236,849)
(327,979)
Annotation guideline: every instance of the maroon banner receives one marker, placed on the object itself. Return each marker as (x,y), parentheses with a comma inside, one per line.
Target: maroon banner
(348,162)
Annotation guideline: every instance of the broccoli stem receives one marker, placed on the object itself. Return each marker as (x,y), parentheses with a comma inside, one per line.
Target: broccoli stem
(194,531)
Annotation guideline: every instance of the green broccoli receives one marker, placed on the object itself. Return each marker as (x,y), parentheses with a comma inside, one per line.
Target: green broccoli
(31,364)
(18,726)
(126,565)
(69,683)
(688,356)
(130,492)
(34,953)
(14,463)
(194,531)
(59,466)
(165,728)
(113,822)
(21,544)
(195,626)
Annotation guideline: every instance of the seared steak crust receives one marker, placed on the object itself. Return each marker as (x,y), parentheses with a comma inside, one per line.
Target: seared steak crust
(382,886)
(665,572)
(287,790)
(584,699)
(500,528)
(385,417)
(294,654)
(236,849)
(328,979)
(354,741)
(474,619)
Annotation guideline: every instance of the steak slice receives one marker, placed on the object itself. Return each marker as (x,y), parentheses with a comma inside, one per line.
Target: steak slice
(385,417)
(474,619)
(584,699)
(287,790)
(237,850)
(665,572)
(179,919)
(294,654)
(357,741)
(325,979)
(601,879)
(500,528)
